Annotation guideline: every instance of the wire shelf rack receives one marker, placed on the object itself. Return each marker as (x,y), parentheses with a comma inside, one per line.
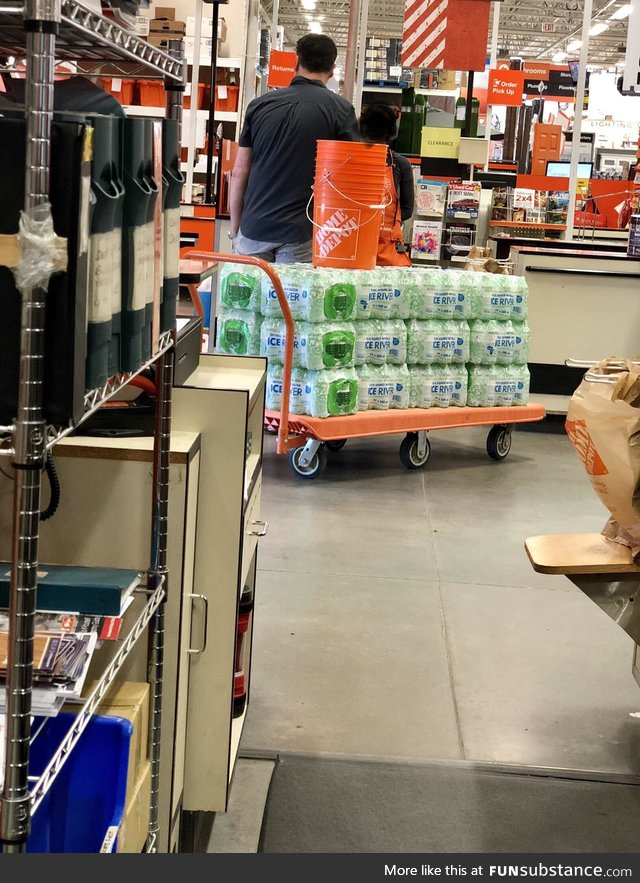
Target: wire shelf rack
(93,400)
(85,34)
(42,784)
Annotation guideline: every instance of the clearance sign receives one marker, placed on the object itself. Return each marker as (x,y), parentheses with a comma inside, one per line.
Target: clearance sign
(282,68)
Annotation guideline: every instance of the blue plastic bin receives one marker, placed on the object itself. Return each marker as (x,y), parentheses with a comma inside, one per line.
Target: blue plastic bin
(88,796)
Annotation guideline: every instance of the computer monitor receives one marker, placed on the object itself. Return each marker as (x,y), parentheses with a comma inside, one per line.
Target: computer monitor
(573,70)
(562,169)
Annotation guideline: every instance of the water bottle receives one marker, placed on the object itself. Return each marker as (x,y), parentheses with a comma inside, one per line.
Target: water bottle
(521,298)
(523,337)
(505,343)
(483,336)
(442,384)
(400,379)
(505,386)
(460,381)
(522,378)
(482,387)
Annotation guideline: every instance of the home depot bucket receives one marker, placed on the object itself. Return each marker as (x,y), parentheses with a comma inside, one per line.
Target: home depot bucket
(348,204)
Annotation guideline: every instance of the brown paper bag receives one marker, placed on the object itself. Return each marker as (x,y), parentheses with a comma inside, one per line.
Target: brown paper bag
(603,423)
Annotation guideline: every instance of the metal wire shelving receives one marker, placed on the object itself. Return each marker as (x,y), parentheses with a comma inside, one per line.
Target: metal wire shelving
(43,32)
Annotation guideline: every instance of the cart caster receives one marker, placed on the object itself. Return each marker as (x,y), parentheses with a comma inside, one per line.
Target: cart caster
(499,442)
(308,463)
(415,450)
(337,444)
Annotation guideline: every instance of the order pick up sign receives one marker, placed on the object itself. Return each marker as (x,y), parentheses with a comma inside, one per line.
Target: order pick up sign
(505,87)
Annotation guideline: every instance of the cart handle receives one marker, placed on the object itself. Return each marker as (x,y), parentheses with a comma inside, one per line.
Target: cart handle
(213,257)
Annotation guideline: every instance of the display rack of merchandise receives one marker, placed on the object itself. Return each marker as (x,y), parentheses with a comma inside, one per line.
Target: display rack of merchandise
(445,220)
(42,32)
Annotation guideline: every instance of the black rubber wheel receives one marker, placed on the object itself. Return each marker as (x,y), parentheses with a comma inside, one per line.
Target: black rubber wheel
(499,442)
(409,451)
(336,445)
(316,466)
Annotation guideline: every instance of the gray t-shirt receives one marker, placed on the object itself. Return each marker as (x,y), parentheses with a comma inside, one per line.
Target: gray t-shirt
(282,129)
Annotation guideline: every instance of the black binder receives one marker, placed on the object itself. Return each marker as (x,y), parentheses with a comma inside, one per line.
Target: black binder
(173,181)
(137,242)
(105,250)
(66,300)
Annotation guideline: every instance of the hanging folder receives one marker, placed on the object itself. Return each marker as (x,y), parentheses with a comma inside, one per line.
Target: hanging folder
(137,241)
(105,248)
(173,181)
(152,281)
(66,300)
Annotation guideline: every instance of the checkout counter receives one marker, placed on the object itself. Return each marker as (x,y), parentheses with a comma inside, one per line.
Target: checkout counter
(590,239)
(583,305)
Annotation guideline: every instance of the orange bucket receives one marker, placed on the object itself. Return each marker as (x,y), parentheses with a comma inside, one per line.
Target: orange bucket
(348,204)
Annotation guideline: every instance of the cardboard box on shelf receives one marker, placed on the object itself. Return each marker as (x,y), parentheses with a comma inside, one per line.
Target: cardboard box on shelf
(134,828)
(165,12)
(447,80)
(164,26)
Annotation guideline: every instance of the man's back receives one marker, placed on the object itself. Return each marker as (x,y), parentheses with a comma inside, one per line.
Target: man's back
(282,129)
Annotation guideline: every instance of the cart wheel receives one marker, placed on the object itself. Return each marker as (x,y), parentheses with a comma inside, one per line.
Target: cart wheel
(313,469)
(499,442)
(409,453)
(337,444)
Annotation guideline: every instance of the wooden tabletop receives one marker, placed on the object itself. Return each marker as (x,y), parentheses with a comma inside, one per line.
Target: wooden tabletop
(192,272)
(579,553)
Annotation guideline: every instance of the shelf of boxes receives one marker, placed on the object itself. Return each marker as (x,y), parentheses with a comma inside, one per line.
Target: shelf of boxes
(220,116)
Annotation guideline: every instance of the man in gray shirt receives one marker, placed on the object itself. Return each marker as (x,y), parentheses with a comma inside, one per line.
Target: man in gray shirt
(275,166)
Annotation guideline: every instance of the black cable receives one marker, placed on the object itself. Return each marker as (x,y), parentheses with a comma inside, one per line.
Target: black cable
(54,483)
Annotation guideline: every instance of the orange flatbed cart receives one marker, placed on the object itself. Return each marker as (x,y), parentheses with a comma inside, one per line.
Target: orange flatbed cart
(307,439)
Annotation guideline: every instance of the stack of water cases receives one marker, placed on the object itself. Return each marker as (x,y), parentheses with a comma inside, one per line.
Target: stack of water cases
(379,339)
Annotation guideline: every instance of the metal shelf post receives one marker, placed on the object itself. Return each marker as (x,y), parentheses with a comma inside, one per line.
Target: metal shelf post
(158,570)
(41,17)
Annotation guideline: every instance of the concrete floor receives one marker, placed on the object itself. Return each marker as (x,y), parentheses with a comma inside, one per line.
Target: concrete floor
(397,614)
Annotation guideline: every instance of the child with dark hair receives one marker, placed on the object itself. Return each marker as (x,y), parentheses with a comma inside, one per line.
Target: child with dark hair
(378,124)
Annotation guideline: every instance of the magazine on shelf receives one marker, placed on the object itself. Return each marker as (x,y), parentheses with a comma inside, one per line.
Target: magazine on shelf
(60,665)
(425,240)
(457,241)
(107,628)
(431,197)
(463,200)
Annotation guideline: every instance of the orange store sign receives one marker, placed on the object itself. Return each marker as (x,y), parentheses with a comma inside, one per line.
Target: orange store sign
(505,87)
(282,68)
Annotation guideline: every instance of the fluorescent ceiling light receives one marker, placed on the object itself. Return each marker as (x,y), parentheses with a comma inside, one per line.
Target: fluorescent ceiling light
(622,12)
(308,4)
(573,45)
(315,27)
(559,56)
(598,28)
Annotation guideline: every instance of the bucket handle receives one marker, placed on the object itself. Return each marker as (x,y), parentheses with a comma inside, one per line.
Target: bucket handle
(339,229)
(382,206)
(378,208)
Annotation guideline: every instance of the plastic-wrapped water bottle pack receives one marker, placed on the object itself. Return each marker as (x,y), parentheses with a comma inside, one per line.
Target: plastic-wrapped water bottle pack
(380,339)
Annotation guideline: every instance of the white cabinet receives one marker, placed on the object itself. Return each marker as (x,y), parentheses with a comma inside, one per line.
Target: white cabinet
(223,401)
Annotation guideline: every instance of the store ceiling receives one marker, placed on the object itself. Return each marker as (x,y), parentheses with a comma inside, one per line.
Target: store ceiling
(520,28)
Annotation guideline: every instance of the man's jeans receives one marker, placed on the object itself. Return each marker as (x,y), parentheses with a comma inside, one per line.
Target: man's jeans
(274,252)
